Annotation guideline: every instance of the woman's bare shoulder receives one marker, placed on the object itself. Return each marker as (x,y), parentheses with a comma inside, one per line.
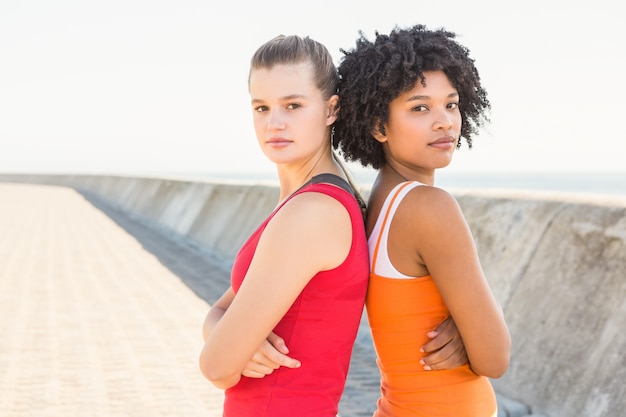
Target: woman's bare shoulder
(310,223)
(315,214)
(426,198)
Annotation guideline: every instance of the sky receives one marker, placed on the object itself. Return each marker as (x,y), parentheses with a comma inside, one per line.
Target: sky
(155,87)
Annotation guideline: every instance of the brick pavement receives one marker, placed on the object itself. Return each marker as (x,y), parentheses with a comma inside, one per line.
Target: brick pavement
(92,324)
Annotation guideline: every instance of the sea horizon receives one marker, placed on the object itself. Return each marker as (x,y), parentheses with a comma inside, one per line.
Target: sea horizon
(612,184)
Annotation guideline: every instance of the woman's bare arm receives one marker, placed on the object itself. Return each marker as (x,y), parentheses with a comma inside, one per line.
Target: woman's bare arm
(311,223)
(446,246)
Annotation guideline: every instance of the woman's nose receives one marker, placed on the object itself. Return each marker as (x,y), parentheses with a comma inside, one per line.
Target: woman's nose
(443,121)
(276,121)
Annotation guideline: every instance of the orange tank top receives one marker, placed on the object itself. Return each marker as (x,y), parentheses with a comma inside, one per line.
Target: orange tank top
(401,310)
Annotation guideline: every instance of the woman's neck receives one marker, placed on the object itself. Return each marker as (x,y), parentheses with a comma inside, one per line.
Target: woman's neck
(399,173)
(291,178)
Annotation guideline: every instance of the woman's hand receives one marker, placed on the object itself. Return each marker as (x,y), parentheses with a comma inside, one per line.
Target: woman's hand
(270,356)
(445,349)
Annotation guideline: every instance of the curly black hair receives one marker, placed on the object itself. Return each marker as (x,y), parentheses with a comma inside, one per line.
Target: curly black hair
(374,73)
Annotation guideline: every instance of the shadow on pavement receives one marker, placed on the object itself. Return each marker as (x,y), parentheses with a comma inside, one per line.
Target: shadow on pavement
(203,275)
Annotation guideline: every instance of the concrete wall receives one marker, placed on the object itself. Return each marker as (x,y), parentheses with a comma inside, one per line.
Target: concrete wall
(557,264)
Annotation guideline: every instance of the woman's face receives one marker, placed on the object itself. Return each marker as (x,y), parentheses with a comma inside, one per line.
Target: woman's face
(291,118)
(424,124)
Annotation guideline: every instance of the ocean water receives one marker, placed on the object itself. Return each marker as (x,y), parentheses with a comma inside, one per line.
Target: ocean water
(597,183)
(613,184)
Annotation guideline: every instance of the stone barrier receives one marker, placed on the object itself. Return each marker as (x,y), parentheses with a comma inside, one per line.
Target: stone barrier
(556,263)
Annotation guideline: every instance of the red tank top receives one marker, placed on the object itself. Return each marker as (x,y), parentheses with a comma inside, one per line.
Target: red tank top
(320,329)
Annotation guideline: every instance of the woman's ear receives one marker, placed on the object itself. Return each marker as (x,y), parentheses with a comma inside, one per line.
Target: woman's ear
(333,110)
(379,133)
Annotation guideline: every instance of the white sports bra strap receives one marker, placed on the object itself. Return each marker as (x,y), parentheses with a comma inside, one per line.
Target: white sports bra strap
(380,264)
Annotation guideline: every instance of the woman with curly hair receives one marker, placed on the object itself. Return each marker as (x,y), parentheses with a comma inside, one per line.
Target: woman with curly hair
(406,101)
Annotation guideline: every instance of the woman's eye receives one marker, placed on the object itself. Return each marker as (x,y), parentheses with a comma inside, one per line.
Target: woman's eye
(453,105)
(260,109)
(419,108)
(293,106)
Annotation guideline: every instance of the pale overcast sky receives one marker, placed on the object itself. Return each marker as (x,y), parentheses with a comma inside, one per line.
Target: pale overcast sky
(160,87)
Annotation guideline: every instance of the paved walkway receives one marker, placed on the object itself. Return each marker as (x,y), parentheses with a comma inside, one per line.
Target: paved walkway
(101,316)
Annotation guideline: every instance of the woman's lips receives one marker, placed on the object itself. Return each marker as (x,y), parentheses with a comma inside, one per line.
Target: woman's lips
(278,142)
(445,142)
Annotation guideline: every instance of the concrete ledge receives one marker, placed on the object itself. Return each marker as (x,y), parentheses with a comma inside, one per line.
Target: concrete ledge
(556,263)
